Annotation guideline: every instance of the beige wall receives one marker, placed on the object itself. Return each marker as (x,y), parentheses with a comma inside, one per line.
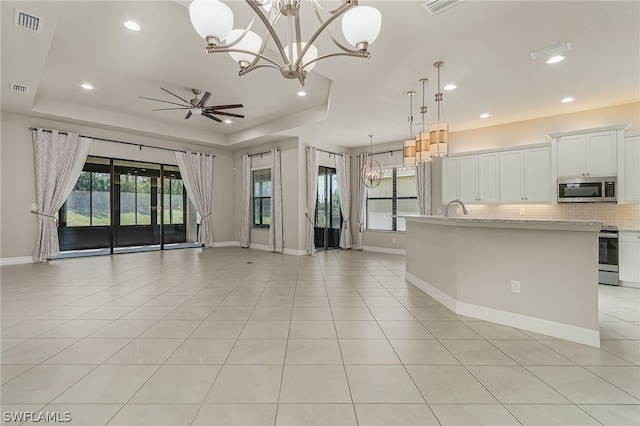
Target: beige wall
(18,225)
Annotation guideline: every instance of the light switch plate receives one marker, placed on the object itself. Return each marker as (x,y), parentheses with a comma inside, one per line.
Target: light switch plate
(34,207)
(515,286)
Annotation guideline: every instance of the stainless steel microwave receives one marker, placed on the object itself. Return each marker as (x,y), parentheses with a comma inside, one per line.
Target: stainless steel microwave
(587,190)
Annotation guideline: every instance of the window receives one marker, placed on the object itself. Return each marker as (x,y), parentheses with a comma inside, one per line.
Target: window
(174,197)
(396,195)
(89,202)
(261,198)
(135,200)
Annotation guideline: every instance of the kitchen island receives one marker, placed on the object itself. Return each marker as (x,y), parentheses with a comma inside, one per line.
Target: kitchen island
(536,275)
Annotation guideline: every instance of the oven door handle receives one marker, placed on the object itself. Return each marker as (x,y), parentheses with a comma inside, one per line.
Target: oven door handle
(608,235)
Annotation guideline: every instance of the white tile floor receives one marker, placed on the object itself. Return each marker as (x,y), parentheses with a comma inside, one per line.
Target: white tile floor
(207,338)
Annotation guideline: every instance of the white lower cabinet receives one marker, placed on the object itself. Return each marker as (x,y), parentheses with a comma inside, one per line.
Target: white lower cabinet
(629,259)
(525,176)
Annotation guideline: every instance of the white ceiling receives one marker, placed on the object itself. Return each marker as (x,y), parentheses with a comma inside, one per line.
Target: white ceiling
(485,46)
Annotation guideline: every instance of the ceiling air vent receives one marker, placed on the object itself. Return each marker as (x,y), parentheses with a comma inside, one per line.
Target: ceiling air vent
(19,88)
(436,6)
(29,22)
(547,52)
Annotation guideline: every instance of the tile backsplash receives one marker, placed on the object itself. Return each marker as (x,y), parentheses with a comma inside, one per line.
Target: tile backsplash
(624,216)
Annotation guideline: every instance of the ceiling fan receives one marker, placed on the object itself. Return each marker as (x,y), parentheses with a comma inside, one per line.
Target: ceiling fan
(198,106)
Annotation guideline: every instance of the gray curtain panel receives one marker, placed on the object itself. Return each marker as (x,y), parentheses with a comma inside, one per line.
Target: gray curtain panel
(312,194)
(362,200)
(197,174)
(245,226)
(275,228)
(343,171)
(423,187)
(59,159)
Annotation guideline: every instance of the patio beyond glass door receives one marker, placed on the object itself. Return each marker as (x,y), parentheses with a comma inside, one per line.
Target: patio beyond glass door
(328,218)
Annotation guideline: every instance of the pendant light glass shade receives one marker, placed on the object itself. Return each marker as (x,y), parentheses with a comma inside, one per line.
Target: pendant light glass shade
(361,25)
(251,42)
(409,152)
(211,18)
(439,136)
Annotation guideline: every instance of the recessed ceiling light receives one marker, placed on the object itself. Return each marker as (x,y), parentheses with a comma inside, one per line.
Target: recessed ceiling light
(87,86)
(302,93)
(485,115)
(555,59)
(227,121)
(567,100)
(450,86)
(132,25)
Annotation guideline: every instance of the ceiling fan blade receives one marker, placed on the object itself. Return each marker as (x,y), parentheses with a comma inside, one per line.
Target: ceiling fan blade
(166,102)
(204,99)
(228,114)
(169,109)
(183,100)
(188,115)
(206,114)
(226,106)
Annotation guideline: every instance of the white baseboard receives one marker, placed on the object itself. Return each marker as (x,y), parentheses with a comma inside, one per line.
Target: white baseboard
(537,325)
(226,244)
(384,250)
(290,252)
(631,284)
(16,260)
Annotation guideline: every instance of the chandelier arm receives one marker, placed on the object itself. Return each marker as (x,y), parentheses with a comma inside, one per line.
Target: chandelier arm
(338,12)
(355,54)
(246,30)
(333,39)
(266,58)
(256,8)
(255,67)
(331,12)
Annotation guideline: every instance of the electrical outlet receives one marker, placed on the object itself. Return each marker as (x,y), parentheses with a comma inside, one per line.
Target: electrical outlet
(515,286)
(521,212)
(439,211)
(34,207)
(458,210)
(393,240)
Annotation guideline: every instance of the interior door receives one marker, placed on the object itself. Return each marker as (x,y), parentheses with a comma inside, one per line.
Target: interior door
(328,218)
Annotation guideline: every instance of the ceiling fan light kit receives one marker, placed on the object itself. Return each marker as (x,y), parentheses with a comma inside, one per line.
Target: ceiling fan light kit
(213,21)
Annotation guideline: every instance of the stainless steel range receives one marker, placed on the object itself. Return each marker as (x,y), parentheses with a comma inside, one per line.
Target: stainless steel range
(608,255)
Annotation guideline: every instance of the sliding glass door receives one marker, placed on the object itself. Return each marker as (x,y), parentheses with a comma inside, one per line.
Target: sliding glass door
(119,205)
(328,218)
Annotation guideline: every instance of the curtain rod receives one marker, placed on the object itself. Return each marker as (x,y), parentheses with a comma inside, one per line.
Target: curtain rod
(386,152)
(140,145)
(328,152)
(261,153)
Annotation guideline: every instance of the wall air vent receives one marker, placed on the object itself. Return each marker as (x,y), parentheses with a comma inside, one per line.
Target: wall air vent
(436,6)
(27,21)
(19,88)
(547,52)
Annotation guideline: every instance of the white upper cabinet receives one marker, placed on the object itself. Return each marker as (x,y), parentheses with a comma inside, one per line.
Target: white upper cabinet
(525,176)
(632,169)
(478,178)
(588,154)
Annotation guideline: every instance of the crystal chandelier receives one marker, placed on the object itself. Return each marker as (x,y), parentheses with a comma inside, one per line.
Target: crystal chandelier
(371,171)
(439,132)
(213,21)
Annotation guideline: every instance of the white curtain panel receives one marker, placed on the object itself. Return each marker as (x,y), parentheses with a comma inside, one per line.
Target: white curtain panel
(275,227)
(423,187)
(59,159)
(343,171)
(245,226)
(362,200)
(196,170)
(312,195)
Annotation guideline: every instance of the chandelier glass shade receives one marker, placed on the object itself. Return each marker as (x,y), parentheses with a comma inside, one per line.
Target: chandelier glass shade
(371,173)
(213,21)
(439,131)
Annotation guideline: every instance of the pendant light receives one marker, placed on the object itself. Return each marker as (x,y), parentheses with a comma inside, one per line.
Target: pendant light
(439,134)
(422,139)
(409,146)
(371,171)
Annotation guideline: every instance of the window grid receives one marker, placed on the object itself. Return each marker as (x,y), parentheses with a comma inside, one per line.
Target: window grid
(261,197)
(394,198)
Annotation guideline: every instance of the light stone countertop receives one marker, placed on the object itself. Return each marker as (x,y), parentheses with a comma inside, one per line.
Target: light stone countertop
(586,225)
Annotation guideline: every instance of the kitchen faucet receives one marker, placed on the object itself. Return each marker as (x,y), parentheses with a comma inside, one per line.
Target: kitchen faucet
(464,209)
